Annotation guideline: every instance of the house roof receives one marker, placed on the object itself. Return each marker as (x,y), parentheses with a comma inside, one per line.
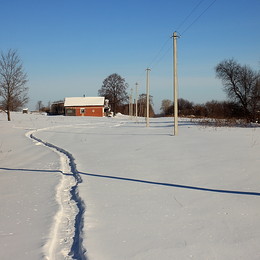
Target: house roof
(84,101)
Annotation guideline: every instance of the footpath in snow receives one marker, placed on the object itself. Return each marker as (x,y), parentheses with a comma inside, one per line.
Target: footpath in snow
(65,239)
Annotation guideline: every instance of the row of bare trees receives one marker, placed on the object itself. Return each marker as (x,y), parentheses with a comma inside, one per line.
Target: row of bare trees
(211,109)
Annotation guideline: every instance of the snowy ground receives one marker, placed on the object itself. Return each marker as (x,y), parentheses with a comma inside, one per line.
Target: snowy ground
(146,194)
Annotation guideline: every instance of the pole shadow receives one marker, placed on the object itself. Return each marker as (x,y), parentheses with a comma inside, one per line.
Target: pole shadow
(173,185)
(28,170)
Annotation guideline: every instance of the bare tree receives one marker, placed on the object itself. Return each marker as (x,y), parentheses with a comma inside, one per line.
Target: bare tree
(39,105)
(241,83)
(166,104)
(13,92)
(142,105)
(114,89)
(143,99)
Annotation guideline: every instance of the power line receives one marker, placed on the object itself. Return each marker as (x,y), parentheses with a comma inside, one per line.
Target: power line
(188,16)
(158,54)
(158,57)
(163,55)
(188,27)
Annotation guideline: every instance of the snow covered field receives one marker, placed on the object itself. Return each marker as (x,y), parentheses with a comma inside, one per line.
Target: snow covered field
(142,193)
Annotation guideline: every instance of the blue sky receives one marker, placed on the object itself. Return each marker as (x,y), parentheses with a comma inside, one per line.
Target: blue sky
(69,47)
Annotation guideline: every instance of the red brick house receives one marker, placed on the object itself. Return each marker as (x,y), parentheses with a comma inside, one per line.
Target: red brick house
(84,106)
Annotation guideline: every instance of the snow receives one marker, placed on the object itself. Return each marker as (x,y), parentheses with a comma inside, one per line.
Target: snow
(145,193)
(84,101)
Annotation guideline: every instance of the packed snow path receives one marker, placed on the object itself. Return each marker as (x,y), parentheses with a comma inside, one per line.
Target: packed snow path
(71,211)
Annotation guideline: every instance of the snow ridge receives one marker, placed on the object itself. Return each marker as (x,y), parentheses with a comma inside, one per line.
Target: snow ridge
(76,251)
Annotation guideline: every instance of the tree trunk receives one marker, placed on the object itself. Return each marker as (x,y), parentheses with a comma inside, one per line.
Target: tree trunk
(8,115)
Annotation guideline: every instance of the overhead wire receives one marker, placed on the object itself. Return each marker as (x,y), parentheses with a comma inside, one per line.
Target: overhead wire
(189,15)
(164,54)
(159,52)
(197,18)
(159,56)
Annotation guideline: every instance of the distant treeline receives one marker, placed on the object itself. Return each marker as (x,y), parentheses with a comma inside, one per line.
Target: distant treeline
(212,109)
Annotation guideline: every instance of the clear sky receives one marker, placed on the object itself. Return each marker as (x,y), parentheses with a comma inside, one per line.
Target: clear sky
(69,47)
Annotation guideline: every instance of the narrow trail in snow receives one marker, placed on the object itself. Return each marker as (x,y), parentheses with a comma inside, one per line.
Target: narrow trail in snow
(77,251)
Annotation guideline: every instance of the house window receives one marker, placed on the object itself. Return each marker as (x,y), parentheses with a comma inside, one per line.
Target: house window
(82,111)
(70,112)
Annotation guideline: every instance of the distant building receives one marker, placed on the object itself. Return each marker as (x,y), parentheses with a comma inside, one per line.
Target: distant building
(25,110)
(84,106)
(57,108)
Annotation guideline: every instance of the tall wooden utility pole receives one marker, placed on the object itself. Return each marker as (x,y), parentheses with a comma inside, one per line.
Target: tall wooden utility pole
(136,101)
(131,104)
(147,97)
(175,83)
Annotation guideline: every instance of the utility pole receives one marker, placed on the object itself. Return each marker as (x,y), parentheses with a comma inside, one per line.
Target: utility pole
(131,103)
(175,83)
(147,97)
(136,101)
(129,106)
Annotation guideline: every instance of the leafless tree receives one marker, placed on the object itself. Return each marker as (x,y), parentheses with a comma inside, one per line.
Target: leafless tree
(114,89)
(241,83)
(39,105)
(13,92)
(166,104)
(142,105)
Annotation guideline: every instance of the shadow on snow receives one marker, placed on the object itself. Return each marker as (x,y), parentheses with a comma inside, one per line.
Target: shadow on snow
(29,170)
(145,182)
(173,185)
